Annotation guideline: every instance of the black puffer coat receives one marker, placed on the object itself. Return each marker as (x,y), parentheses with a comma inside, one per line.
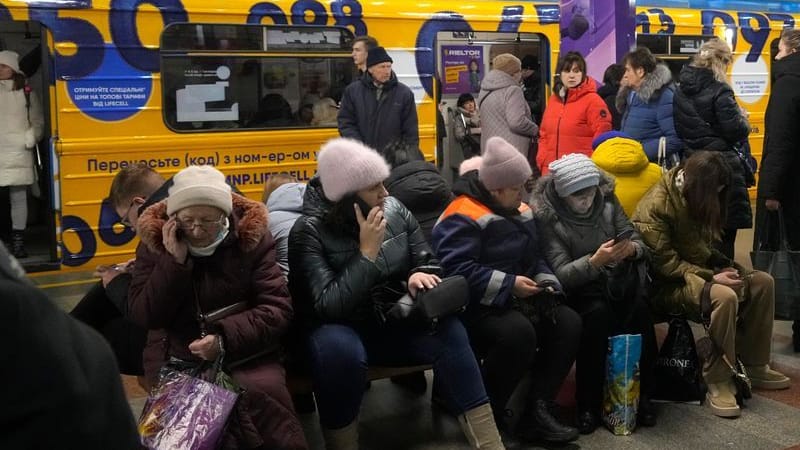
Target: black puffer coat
(420,187)
(707,117)
(780,162)
(329,278)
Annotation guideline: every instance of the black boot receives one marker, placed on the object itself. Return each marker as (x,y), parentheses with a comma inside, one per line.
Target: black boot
(18,244)
(587,422)
(539,423)
(414,382)
(646,416)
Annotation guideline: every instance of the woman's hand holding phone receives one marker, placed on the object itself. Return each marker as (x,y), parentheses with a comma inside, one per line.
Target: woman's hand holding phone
(172,241)
(371,231)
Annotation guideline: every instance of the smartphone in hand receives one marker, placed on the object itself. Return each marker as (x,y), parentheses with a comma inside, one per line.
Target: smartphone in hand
(623,235)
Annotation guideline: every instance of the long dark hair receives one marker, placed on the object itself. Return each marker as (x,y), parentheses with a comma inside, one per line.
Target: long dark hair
(704,173)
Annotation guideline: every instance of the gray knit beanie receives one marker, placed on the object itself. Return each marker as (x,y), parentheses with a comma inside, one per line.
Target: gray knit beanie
(574,172)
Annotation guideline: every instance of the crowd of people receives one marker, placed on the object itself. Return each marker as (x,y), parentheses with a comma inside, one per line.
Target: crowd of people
(623,226)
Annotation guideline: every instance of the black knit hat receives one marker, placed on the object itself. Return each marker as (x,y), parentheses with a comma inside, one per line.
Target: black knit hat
(377,55)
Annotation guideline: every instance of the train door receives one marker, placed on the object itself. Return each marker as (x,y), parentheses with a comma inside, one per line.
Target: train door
(464,58)
(29,40)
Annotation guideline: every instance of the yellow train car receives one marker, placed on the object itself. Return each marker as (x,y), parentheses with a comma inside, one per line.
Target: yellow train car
(173,83)
(752,29)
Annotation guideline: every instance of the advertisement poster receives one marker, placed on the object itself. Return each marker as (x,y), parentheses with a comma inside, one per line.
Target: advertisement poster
(463,68)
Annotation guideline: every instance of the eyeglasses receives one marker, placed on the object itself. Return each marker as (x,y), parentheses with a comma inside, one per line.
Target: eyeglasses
(203,224)
(126,218)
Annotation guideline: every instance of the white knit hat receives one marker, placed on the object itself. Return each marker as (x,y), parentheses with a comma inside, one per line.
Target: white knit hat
(11,59)
(574,172)
(468,165)
(346,166)
(199,185)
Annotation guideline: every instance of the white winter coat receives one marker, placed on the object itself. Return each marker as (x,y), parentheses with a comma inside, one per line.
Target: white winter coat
(17,136)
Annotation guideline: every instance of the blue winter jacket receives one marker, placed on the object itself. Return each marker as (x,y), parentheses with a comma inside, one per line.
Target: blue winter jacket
(487,248)
(647,113)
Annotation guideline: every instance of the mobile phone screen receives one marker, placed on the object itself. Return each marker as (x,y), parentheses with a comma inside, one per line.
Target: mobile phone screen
(623,235)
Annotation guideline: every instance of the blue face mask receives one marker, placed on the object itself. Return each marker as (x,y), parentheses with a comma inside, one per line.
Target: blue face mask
(209,249)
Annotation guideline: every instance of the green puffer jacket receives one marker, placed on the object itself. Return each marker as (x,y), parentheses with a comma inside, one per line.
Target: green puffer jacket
(682,252)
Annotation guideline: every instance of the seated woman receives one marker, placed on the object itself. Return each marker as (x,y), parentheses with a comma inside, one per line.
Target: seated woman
(352,255)
(603,273)
(202,249)
(680,219)
(489,236)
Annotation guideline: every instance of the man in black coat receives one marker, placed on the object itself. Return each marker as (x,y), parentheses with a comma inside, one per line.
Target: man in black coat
(62,385)
(778,181)
(377,109)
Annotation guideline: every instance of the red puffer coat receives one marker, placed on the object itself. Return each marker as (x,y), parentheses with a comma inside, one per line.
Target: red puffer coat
(243,268)
(570,124)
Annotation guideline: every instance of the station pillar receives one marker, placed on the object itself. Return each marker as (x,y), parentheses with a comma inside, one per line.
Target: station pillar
(601,30)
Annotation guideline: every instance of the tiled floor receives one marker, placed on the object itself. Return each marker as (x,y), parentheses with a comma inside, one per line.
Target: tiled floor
(391,418)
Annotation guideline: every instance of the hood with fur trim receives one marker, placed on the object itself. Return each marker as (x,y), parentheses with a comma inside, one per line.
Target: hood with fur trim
(248,224)
(651,87)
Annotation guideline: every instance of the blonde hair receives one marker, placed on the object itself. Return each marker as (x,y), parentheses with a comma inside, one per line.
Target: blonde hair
(714,54)
(791,38)
(275,181)
(325,112)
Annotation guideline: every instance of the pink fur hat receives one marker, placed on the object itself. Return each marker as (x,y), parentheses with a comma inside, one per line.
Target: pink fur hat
(346,166)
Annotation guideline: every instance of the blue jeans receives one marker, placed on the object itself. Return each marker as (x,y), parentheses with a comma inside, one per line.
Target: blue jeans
(340,356)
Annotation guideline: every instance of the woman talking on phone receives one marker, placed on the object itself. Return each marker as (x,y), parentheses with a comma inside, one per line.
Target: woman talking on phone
(601,261)
(352,256)
(204,249)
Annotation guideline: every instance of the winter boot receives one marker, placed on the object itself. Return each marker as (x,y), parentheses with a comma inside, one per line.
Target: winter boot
(342,438)
(763,377)
(721,398)
(18,244)
(539,423)
(480,429)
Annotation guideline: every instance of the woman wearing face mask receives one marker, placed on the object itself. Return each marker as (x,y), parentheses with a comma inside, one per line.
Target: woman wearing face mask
(601,268)
(352,256)
(203,249)
(574,116)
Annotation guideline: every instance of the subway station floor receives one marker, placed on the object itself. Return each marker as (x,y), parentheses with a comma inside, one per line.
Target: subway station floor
(392,418)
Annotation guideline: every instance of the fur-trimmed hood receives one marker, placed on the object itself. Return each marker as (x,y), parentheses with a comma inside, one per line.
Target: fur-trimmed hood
(651,87)
(248,224)
(540,198)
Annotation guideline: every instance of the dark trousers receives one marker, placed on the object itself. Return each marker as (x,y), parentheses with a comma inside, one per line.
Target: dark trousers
(507,340)
(126,339)
(727,243)
(340,356)
(600,321)
(5,215)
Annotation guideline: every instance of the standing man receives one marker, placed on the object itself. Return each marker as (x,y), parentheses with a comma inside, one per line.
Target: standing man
(362,46)
(377,109)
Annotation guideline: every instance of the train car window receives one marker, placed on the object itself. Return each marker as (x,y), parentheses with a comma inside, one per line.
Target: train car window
(232,77)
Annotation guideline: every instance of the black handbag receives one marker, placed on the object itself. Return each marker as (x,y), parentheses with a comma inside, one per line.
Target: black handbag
(448,297)
(707,347)
(784,266)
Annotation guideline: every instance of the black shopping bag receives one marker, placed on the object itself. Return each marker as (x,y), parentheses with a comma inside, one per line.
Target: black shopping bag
(678,375)
(784,266)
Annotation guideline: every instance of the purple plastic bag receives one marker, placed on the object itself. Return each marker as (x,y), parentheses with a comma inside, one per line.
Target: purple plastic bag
(185,413)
